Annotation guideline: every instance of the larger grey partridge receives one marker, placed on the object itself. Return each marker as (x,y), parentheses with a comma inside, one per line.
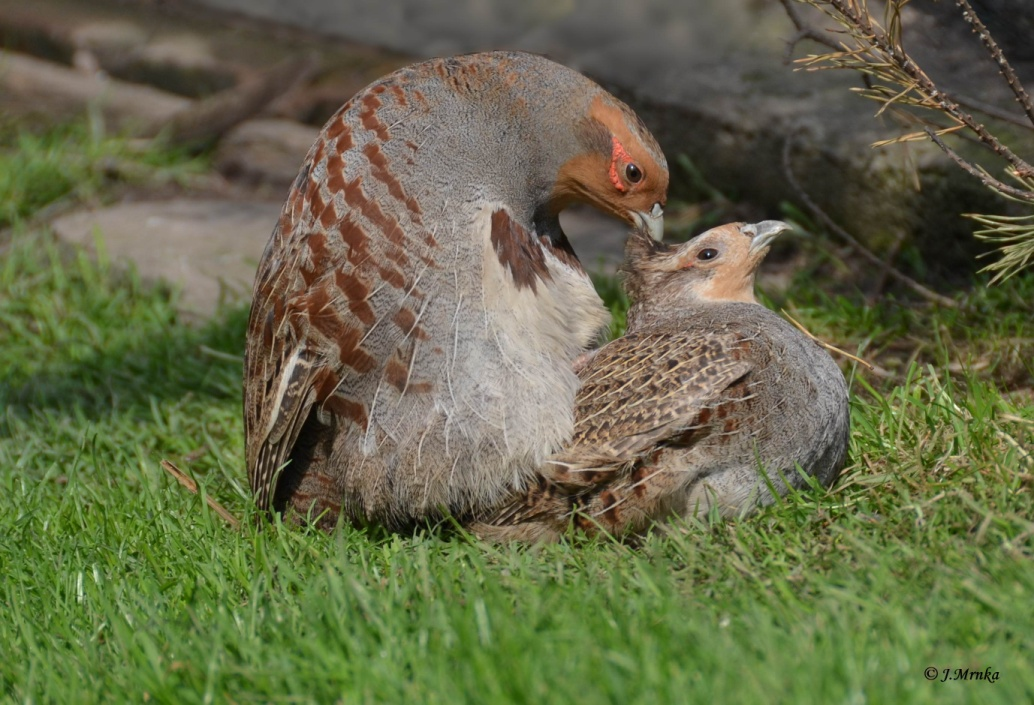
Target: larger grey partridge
(418,307)
(709,400)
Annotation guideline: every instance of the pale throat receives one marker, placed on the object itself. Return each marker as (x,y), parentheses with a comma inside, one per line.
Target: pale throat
(728,286)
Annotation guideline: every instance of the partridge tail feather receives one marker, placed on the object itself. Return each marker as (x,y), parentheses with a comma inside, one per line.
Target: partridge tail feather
(292,408)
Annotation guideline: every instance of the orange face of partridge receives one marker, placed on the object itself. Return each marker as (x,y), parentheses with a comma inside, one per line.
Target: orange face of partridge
(720,264)
(622,173)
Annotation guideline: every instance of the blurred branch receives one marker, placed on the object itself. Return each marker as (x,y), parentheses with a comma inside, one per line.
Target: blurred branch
(205,121)
(857,246)
(805,30)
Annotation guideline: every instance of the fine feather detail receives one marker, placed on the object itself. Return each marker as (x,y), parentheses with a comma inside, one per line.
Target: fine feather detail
(417,309)
(709,400)
(636,391)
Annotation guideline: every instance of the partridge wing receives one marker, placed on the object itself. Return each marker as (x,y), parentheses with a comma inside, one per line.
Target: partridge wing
(641,389)
(636,392)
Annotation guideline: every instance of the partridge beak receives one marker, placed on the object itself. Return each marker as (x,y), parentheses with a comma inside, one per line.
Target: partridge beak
(763,233)
(652,222)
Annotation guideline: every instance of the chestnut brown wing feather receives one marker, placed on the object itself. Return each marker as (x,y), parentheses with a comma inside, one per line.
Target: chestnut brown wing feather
(642,388)
(636,392)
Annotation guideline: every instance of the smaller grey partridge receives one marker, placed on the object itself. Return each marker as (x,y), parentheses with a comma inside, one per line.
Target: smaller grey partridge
(708,400)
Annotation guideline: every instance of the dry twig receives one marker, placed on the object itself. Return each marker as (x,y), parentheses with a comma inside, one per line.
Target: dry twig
(857,246)
(188,482)
(823,343)
(807,31)
(970,168)
(892,78)
(879,53)
(998,57)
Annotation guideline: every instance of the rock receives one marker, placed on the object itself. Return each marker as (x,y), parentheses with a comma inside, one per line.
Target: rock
(187,52)
(711,80)
(206,249)
(43,90)
(265,151)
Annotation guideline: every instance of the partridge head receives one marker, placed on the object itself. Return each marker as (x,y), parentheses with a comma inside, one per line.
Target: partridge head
(418,307)
(708,400)
(719,265)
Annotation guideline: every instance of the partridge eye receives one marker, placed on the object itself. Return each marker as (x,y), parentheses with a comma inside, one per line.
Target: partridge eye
(709,253)
(634,173)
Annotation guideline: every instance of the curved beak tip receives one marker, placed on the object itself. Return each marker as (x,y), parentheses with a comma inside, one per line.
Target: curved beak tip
(764,233)
(652,222)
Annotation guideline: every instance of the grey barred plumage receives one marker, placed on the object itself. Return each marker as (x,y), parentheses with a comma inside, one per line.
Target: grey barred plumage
(709,400)
(417,309)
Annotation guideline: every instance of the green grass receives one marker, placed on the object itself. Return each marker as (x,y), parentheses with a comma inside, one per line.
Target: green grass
(118,585)
(37,169)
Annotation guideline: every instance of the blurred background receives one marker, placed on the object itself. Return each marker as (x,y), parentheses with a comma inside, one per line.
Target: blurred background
(248,83)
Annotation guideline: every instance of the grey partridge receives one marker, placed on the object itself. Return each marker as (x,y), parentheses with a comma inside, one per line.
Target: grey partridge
(708,400)
(418,307)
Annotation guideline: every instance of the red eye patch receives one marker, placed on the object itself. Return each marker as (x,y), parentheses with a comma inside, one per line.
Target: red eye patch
(618,155)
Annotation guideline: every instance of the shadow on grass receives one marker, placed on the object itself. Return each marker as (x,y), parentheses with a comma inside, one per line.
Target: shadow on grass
(125,374)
